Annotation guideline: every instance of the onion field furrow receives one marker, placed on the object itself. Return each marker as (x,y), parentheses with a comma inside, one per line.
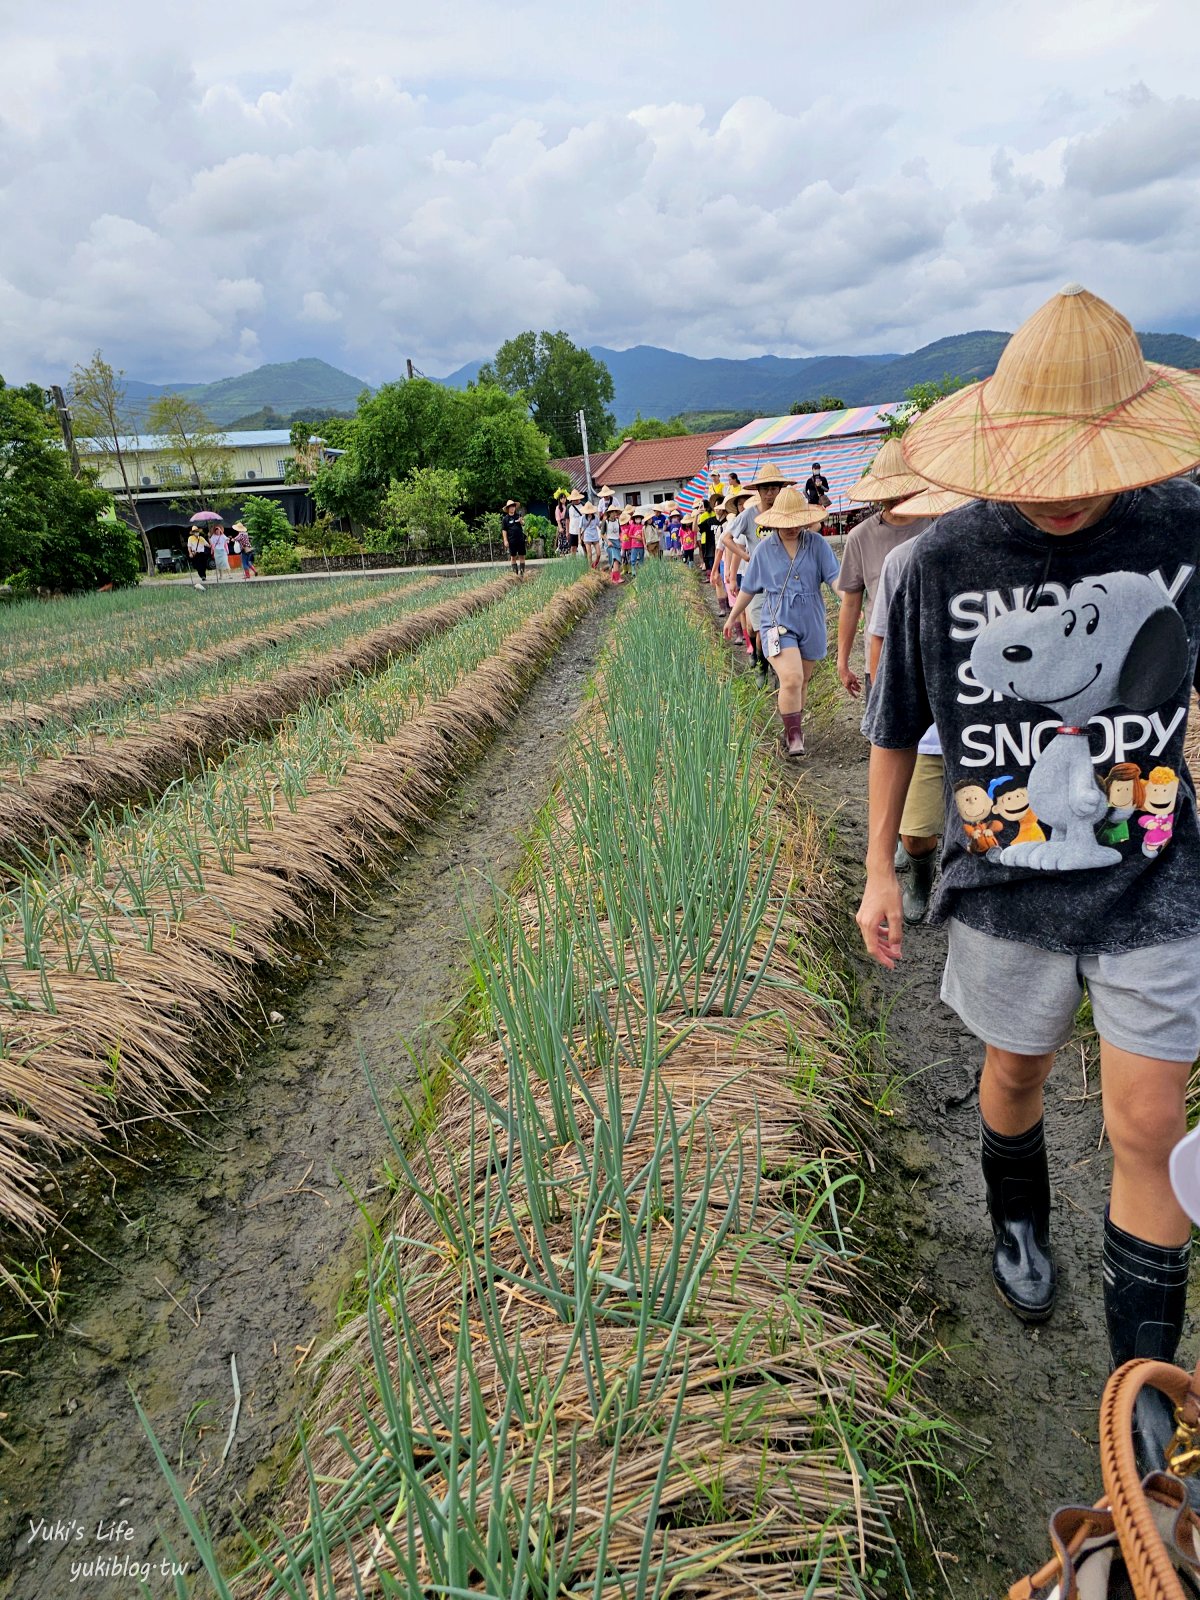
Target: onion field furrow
(616,1339)
(171,675)
(88,638)
(55,796)
(117,962)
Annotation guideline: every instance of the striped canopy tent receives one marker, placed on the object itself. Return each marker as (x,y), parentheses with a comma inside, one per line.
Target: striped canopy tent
(844,442)
(693,491)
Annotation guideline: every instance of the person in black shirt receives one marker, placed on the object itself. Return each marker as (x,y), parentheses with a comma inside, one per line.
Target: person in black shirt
(512,528)
(816,488)
(1051,630)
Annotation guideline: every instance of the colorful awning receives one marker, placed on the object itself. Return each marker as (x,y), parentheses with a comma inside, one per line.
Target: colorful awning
(844,442)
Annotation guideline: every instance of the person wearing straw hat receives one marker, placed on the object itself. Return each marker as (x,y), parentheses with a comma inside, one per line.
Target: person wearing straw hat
(788,569)
(923,817)
(887,482)
(244,545)
(1051,630)
(765,487)
(605,497)
(653,527)
(197,549)
(734,544)
(612,541)
(512,533)
(590,534)
(574,520)
(560,522)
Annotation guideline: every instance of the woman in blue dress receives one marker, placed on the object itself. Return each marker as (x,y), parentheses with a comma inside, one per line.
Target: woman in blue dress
(787,569)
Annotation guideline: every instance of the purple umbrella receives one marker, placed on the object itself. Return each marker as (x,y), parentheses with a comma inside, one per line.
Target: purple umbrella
(207,516)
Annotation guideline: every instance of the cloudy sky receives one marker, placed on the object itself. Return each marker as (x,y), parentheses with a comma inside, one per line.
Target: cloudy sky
(197,189)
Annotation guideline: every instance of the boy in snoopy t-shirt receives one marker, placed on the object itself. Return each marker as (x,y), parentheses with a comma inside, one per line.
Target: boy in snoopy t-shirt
(1051,630)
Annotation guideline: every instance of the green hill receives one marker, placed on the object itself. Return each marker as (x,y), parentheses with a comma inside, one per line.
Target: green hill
(282,387)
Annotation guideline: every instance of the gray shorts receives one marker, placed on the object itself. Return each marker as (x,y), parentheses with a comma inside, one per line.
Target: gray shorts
(754,612)
(1022,998)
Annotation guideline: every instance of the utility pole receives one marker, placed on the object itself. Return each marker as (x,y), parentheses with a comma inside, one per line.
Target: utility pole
(587,460)
(409,365)
(64,422)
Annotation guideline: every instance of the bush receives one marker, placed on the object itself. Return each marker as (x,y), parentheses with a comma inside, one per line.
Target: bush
(21,585)
(539,527)
(119,557)
(422,511)
(266,522)
(277,558)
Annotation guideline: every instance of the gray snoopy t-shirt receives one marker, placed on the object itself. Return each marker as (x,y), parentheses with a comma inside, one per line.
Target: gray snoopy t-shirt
(1059,671)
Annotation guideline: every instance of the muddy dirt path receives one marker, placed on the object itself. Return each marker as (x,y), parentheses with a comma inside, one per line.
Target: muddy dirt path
(241,1242)
(1030,1396)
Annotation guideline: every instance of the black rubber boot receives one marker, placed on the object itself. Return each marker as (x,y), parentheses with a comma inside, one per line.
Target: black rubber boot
(1145,1295)
(1018,1198)
(918,886)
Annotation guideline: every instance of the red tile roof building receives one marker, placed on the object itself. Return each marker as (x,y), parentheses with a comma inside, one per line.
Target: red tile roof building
(642,470)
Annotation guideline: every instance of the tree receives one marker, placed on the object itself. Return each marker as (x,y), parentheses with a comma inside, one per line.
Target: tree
(919,398)
(56,530)
(266,522)
(423,510)
(100,415)
(505,455)
(196,452)
(645,428)
(827,402)
(482,433)
(557,380)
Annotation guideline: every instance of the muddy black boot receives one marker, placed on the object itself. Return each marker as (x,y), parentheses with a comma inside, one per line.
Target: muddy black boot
(918,885)
(1018,1199)
(901,859)
(1145,1294)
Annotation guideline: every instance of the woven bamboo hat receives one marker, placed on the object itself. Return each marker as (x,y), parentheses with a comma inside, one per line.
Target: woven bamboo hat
(605,492)
(588,509)
(1073,411)
(792,510)
(930,503)
(508,503)
(769,476)
(888,477)
(575,497)
(733,495)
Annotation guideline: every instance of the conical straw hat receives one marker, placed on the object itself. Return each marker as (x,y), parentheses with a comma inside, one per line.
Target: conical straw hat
(1073,411)
(929,503)
(792,510)
(588,509)
(888,477)
(769,475)
(605,490)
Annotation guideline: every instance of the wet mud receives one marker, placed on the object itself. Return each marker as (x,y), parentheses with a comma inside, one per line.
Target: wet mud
(241,1241)
(1026,1400)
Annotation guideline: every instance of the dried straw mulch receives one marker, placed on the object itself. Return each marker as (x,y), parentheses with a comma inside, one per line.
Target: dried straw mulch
(54,798)
(75,702)
(774,1386)
(102,1049)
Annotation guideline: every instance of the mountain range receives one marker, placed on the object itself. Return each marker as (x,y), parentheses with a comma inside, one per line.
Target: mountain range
(663,383)
(650,381)
(282,386)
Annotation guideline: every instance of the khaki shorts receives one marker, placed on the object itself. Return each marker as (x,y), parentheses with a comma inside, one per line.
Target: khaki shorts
(925,803)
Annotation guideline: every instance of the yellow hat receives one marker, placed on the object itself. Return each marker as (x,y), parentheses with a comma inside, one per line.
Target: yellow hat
(792,510)
(889,477)
(1073,411)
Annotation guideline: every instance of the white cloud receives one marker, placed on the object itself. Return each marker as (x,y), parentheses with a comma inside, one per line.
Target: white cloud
(825,182)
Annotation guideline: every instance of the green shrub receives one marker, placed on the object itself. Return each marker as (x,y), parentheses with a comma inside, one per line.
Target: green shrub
(118,555)
(277,558)
(21,585)
(266,522)
(538,527)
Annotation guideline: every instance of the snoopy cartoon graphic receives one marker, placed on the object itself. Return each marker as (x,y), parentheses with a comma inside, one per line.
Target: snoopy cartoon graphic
(1115,640)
